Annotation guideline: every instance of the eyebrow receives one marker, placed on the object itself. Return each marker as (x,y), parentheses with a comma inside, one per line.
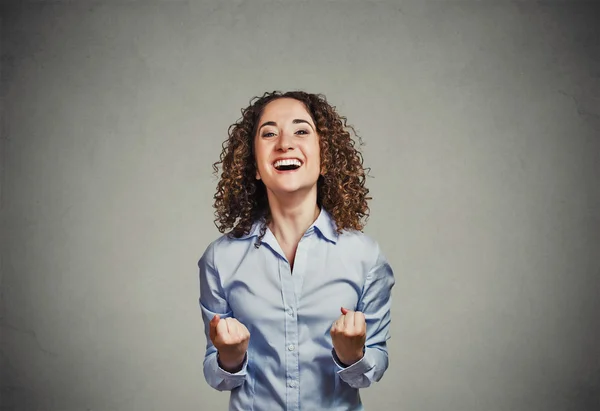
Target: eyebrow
(295,121)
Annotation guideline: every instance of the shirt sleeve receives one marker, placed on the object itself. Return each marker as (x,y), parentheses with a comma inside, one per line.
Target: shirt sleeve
(212,301)
(375,303)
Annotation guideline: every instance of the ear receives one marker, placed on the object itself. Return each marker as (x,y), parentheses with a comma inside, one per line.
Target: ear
(257,175)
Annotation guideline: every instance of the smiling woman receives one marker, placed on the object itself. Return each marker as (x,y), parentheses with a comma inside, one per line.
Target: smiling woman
(303,321)
(241,199)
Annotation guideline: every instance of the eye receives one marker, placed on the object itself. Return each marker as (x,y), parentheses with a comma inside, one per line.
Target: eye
(302,132)
(268,134)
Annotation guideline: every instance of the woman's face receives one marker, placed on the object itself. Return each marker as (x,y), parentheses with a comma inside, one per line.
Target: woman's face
(286,147)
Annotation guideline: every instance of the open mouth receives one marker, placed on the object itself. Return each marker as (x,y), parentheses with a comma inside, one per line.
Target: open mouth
(287,164)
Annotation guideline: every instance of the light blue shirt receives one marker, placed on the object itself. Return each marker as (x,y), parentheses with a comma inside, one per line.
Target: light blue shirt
(290,363)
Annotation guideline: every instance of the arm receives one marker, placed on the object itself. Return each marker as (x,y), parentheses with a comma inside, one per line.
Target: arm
(213,302)
(375,304)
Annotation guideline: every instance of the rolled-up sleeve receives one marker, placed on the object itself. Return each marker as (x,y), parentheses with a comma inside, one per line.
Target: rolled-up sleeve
(212,302)
(375,303)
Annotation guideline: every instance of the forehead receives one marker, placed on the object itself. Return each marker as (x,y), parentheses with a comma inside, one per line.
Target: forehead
(284,109)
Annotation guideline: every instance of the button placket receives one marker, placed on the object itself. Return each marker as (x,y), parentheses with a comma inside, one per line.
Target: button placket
(291,337)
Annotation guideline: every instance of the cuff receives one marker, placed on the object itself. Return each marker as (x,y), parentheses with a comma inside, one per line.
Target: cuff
(355,371)
(241,374)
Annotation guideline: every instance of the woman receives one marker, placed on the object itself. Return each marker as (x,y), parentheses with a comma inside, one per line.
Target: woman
(295,298)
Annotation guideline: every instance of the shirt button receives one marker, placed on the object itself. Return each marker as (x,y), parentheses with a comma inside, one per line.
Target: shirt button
(292,384)
(290,312)
(291,347)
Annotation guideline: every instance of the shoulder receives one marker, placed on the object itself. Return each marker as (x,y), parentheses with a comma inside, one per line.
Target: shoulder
(215,247)
(360,245)
(357,238)
(224,247)
(374,262)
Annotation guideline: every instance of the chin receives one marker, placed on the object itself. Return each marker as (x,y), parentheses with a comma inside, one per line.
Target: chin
(287,189)
(290,190)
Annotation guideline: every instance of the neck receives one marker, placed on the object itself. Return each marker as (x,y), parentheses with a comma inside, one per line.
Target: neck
(292,216)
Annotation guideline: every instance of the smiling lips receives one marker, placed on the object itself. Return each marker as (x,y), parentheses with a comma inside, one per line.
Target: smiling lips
(287,164)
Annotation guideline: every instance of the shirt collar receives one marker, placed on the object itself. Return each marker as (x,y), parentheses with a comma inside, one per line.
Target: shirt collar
(324,224)
(254,231)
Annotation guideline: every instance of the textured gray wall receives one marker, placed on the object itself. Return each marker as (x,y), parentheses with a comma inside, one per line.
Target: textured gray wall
(482,128)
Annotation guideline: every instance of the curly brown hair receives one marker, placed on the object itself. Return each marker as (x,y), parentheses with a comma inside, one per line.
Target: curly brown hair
(241,199)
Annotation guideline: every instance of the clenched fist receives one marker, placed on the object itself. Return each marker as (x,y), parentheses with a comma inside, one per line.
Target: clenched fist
(349,334)
(230,337)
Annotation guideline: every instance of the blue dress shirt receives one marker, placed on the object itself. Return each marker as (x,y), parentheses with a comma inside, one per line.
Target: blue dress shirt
(290,362)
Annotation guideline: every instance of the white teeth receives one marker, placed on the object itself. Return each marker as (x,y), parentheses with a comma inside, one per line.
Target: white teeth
(287,162)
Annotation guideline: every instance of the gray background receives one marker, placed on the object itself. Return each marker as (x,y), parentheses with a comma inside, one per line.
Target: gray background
(482,127)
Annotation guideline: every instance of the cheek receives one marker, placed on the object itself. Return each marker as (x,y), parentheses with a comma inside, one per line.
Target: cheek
(259,155)
(260,166)
(316,150)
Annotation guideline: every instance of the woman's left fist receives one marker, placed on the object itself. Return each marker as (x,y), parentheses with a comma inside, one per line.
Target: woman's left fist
(349,334)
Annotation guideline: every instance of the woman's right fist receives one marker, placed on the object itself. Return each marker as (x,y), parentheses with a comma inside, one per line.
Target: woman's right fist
(230,337)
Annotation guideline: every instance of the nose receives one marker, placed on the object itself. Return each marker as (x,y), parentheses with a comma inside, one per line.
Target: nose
(285,142)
